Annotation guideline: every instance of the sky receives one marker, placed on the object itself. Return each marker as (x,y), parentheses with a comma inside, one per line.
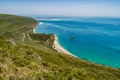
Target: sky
(61,7)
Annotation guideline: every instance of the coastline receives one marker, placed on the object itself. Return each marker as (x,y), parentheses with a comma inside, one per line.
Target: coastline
(60,49)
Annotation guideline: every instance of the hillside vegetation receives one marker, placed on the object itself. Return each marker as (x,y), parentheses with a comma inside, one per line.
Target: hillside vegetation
(28,56)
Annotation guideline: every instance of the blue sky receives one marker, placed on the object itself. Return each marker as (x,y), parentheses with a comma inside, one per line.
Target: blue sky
(61,7)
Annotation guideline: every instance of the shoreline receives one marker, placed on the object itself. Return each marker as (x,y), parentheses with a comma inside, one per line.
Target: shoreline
(60,49)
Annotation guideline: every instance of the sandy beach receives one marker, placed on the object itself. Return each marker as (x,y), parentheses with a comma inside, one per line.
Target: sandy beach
(59,48)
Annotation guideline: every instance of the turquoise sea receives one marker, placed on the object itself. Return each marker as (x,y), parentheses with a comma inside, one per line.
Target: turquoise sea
(94,39)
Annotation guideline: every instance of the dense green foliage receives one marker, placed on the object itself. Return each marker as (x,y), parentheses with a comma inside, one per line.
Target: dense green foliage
(28,56)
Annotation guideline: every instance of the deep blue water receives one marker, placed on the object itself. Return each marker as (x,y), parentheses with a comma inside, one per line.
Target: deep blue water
(95,39)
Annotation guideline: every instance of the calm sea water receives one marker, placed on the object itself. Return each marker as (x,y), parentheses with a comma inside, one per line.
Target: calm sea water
(95,39)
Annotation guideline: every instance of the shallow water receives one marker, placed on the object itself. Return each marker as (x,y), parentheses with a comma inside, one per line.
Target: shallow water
(95,39)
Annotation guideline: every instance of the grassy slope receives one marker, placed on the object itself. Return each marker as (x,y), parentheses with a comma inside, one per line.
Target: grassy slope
(24,55)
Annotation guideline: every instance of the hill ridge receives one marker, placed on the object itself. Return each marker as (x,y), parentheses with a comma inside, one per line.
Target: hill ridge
(25,55)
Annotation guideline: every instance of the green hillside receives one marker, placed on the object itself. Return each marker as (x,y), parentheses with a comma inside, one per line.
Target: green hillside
(28,56)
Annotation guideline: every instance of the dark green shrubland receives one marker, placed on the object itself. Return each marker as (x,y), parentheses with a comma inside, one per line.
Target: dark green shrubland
(28,56)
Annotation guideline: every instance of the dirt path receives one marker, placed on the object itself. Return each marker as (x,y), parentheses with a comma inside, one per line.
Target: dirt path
(26,35)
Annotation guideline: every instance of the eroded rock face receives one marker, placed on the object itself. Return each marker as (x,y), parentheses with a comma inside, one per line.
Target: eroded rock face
(52,37)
